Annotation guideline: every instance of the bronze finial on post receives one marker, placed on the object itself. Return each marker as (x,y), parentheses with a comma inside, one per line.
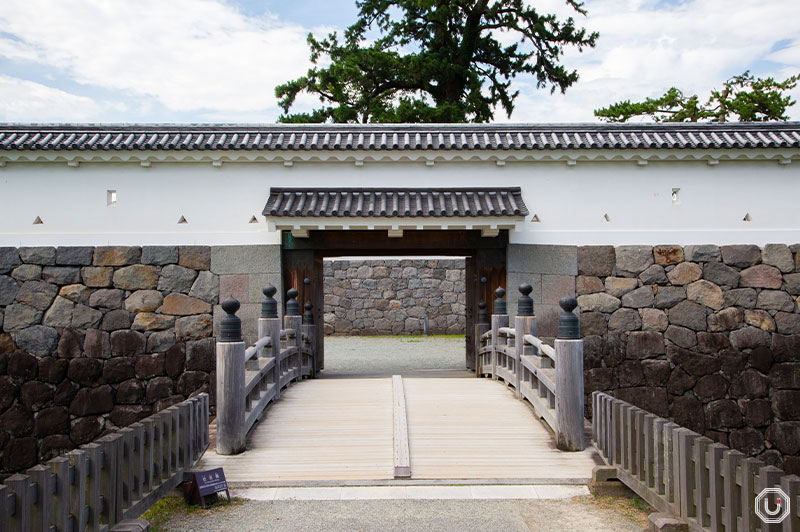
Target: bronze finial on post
(525,302)
(269,306)
(569,379)
(230,382)
(292,306)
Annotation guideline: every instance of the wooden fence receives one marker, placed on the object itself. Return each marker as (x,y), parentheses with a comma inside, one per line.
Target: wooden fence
(681,472)
(549,377)
(248,380)
(116,477)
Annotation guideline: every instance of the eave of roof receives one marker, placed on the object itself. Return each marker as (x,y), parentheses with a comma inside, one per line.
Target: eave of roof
(396,137)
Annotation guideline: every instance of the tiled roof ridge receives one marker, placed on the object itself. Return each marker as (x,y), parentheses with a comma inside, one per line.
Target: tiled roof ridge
(399,137)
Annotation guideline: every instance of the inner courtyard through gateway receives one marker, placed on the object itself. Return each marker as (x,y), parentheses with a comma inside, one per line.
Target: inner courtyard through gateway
(395,315)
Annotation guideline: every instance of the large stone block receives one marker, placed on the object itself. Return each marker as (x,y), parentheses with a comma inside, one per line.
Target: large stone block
(619,286)
(97,276)
(9,289)
(38,339)
(723,414)
(778,255)
(681,336)
(543,259)
(711,387)
(775,300)
(633,260)
(666,255)
(85,371)
(195,257)
(654,275)
(19,454)
(688,314)
(70,345)
(751,384)
(785,375)
(176,278)
(669,296)
(747,440)
(84,317)
(596,260)
(785,436)
(148,366)
(119,369)
(97,344)
(206,288)
(61,275)
(90,401)
(124,415)
(27,272)
(702,253)
(784,404)
(706,293)
(9,259)
(159,255)
(43,256)
(77,293)
(53,420)
(787,323)
(115,320)
(761,276)
(110,298)
(144,301)
(645,344)
(52,370)
(158,388)
(625,319)
(136,277)
(653,400)
(786,348)
(193,327)
(749,338)
(149,321)
(182,305)
(639,298)
(127,343)
(601,302)
(720,274)
(74,256)
(741,255)
(86,429)
(245,259)
(18,317)
(589,284)
(740,297)
(160,341)
(691,362)
(37,294)
(130,392)
(117,255)
(685,273)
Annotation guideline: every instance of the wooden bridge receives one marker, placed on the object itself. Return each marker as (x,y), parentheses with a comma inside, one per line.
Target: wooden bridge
(393,428)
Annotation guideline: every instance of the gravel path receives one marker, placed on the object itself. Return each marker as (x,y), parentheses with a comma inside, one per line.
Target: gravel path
(410,515)
(373,356)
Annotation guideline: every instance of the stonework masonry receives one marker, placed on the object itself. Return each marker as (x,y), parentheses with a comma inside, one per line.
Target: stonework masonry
(392,296)
(708,336)
(96,338)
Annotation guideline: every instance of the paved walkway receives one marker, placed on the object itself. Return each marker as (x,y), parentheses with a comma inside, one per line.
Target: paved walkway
(370,356)
(529,515)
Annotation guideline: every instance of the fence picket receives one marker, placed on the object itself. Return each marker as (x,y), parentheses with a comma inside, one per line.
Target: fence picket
(731,462)
(716,501)
(20,486)
(79,463)
(95,455)
(768,477)
(749,474)
(658,455)
(791,486)
(3,508)
(687,440)
(41,510)
(669,465)
(701,481)
(137,460)
(61,500)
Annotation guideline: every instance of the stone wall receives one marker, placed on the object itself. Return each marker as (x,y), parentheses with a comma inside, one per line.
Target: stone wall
(371,297)
(706,335)
(98,338)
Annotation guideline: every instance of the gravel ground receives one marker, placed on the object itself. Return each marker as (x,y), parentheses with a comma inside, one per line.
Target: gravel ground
(411,515)
(372,356)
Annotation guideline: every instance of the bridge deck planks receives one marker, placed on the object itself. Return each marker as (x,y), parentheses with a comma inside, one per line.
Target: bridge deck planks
(342,429)
(477,429)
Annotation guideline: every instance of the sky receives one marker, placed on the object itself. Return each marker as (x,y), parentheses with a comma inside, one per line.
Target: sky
(197,61)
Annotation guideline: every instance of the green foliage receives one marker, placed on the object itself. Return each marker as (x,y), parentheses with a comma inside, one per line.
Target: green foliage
(743,98)
(433,61)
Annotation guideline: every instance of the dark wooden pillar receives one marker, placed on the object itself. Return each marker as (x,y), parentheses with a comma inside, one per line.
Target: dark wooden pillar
(485,271)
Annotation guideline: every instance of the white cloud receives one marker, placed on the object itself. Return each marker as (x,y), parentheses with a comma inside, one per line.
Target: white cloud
(645,48)
(207,60)
(22,100)
(189,55)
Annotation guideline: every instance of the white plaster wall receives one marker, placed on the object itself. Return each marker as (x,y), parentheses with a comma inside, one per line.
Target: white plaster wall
(571,201)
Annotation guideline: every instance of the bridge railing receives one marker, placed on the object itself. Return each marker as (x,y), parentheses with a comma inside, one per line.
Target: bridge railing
(677,470)
(250,379)
(114,478)
(549,377)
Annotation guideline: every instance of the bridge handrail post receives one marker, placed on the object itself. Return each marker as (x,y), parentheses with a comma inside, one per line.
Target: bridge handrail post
(293,320)
(269,324)
(523,324)
(481,327)
(569,379)
(499,319)
(230,382)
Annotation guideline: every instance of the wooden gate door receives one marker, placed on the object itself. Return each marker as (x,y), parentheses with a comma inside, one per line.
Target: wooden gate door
(299,266)
(485,271)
